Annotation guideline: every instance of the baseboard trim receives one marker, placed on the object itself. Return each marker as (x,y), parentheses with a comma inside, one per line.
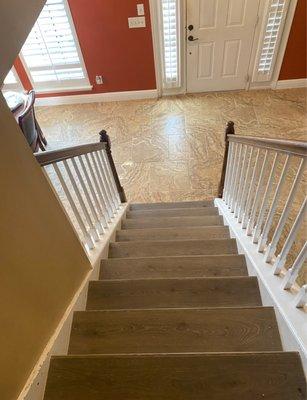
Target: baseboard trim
(96,98)
(291,84)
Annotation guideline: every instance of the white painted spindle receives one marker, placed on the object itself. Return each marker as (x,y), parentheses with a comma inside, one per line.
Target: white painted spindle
(87,237)
(265,201)
(88,218)
(259,192)
(301,298)
(282,221)
(292,273)
(268,223)
(281,259)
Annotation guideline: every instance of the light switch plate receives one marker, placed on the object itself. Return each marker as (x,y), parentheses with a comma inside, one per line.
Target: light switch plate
(140,9)
(137,22)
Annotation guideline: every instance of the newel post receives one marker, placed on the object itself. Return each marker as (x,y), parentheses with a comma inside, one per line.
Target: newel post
(105,138)
(230,130)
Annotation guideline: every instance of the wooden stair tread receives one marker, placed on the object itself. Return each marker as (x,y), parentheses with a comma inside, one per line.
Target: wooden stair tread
(183,204)
(173,212)
(196,232)
(247,376)
(168,293)
(173,267)
(172,248)
(169,222)
(174,331)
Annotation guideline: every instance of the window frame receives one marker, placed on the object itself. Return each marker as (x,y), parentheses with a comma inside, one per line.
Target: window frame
(263,77)
(58,86)
(166,87)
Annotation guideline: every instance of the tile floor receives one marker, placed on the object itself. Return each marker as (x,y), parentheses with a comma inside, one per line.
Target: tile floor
(172,149)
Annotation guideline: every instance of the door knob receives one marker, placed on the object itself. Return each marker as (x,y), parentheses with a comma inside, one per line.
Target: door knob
(190,27)
(192,39)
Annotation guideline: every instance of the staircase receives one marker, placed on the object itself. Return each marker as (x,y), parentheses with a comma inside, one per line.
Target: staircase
(175,316)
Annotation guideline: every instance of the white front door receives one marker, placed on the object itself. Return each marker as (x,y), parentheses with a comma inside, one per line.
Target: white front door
(219,42)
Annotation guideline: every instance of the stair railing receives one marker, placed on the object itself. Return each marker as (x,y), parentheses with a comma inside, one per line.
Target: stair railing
(263,186)
(86,182)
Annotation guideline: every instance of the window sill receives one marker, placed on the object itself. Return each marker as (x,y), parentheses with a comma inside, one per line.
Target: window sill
(64,89)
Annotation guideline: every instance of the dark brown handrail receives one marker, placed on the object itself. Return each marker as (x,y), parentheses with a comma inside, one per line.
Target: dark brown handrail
(105,139)
(295,147)
(51,157)
(229,132)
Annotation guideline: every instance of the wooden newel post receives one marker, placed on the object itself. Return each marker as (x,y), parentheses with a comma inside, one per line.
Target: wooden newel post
(104,138)
(230,130)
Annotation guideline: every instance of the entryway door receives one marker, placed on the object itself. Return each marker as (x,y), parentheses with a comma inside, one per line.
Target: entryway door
(219,43)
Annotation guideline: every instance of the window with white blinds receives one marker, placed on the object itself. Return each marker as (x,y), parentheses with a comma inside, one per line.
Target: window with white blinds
(170,24)
(51,53)
(276,15)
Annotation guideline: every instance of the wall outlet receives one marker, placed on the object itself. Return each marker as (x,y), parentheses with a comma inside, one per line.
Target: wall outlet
(140,9)
(99,79)
(136,22)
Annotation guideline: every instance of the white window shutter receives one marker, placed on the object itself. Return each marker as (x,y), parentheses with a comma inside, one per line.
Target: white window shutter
(51,52)
(170,42)
(270,39)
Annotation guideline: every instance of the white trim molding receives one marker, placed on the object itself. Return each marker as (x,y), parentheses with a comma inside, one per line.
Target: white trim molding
(97,97)
(291,84)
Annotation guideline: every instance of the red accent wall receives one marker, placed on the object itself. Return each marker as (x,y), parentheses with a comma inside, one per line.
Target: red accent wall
(23,76)
(295,61)
(123,56)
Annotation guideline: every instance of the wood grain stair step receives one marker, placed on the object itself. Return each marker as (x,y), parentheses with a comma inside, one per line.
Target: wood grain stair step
(173,267)
(247,376)
(174,331)
(182,204)
(172,248)
(196,232)
(168,293)
(175,212)
(170,222)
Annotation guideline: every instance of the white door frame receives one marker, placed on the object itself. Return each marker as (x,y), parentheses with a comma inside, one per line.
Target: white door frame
(156,34)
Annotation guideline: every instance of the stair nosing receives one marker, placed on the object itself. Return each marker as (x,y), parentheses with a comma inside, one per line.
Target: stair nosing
(178,309)
(177,279)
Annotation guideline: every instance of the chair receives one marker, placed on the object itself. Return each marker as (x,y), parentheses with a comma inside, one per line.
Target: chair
(30,127)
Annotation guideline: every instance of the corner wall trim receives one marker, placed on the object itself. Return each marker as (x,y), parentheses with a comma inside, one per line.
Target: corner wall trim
(97,97)
(291,84)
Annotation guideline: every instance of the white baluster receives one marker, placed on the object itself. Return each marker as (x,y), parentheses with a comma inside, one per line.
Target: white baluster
(106,164)
(292,273)
(236,180)
(241,181)
(301,298)
(233,174)
(88,218)
(94,194)
(268,223)
(251,192)
(251,222)
(264,204)
(98,189)
(98,225)
(87,237)
(247,182)
(283,219)
(103,185)
(106,180)
(229,172)
(281,259)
